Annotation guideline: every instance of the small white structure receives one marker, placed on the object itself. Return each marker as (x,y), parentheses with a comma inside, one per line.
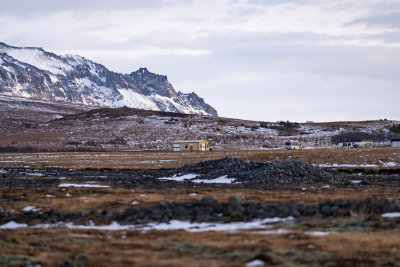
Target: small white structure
(191,145)
(395,142)
(355,144)
(292,144)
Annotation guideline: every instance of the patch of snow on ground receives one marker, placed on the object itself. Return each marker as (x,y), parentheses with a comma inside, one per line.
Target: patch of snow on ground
(83,185)
(219,180)
(50,195)
(205,226)
(391,215)
(335,165)
(170,226)
(326,186)
(254,263)
(355,181)
(180,178)
(30,208)
(317,233)
(13,225)
(389,164)
(192,194)
(67,194)
(273,232)
(34,174)
(3,171)
(134,202)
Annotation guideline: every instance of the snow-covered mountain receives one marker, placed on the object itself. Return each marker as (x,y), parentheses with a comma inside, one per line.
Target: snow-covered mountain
(34,72)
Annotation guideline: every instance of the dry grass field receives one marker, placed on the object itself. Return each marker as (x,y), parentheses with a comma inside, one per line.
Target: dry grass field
(180,248)
(310,241)
(380,157)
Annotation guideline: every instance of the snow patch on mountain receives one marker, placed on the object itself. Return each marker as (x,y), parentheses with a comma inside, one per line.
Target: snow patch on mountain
(36,73)
(38,58)
(133,99)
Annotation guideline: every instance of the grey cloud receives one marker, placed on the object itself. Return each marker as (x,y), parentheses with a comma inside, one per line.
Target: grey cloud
(284,52)
(389,19)
(376,62)
(387,37)
(216,40)
(22,8)
(275,2)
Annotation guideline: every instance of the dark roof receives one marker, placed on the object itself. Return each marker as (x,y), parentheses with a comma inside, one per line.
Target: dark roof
(395,140)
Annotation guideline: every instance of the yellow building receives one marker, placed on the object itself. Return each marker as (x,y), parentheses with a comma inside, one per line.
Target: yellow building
(191,145)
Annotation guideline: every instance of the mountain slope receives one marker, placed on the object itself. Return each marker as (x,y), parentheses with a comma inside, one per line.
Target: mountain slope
(34,72)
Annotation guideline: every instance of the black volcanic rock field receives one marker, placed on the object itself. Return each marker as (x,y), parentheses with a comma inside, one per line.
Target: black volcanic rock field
(241,174)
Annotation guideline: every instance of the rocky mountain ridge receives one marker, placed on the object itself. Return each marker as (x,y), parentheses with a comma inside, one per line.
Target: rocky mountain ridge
(35,73)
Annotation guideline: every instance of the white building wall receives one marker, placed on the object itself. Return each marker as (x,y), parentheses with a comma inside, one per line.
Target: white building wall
(396,144)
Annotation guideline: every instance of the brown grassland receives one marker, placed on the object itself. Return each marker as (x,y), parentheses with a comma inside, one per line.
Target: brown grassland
(296,246)
(168,159)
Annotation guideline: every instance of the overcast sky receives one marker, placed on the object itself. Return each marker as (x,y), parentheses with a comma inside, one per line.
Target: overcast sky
(262,60)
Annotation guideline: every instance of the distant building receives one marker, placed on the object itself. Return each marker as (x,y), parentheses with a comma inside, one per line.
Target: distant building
(292,144)
(395,142)
(355,144)
(191,145)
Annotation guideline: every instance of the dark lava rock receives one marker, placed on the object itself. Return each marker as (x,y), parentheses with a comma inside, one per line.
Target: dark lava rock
(246,174)
(207,200)
(257,172)
(210,210)
(235,203)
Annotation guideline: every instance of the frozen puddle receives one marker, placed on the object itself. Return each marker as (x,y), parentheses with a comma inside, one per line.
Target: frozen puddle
(83,185)
(170,226)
